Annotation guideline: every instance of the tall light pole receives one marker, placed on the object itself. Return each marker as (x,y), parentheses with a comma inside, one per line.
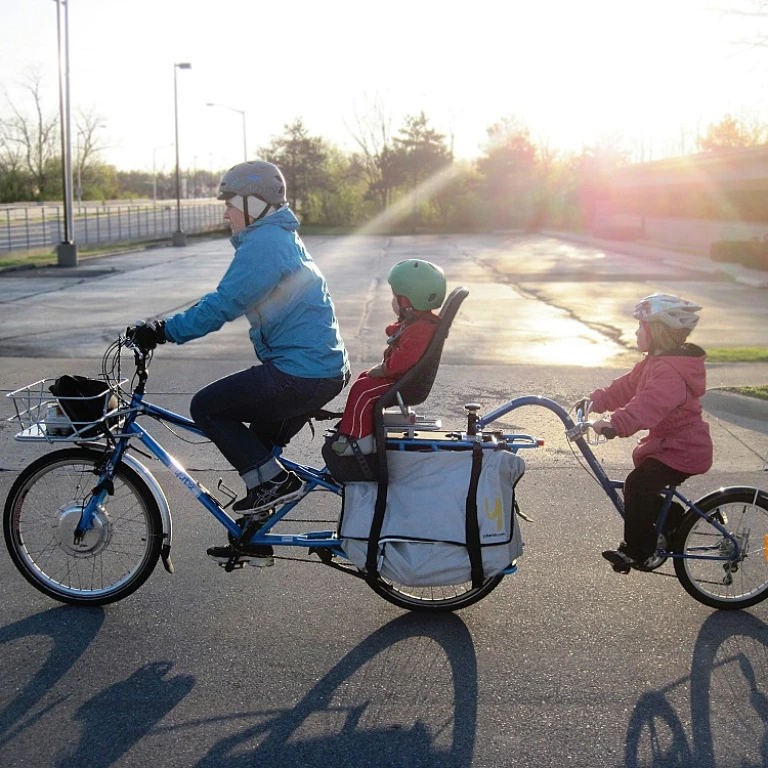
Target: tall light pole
(242,114)
(179,237)
(66,251)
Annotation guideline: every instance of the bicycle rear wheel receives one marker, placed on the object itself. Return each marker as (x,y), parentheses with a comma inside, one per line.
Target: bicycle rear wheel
(433,599)
(113,559)
(725,584)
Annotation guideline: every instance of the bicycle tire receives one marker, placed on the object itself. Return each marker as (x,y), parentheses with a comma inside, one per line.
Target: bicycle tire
(717,583)
(116,556)
(433,599)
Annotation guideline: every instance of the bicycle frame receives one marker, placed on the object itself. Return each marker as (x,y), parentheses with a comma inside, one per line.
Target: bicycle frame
(313,478)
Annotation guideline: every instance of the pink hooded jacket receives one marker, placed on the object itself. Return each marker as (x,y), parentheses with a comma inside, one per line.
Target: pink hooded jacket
(661,394)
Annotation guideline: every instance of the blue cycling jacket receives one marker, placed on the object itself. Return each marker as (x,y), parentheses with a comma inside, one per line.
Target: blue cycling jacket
(274,282)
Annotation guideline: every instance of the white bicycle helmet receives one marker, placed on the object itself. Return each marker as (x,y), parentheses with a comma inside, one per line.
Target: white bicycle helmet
(672,311)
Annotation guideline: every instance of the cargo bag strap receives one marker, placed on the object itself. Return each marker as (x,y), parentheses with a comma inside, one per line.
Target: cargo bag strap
(365,467)
(473,526)
(372,557)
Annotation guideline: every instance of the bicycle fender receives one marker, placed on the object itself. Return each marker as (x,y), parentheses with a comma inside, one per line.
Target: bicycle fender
(162,505)
(748,489)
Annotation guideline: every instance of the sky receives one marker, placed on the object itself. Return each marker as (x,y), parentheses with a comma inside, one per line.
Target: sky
(648,74)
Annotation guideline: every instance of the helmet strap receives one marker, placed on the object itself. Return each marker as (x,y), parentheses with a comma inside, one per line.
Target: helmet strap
(264,212)
(404,303)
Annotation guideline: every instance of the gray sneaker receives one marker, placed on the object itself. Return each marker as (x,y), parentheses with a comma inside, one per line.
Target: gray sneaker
(285,487)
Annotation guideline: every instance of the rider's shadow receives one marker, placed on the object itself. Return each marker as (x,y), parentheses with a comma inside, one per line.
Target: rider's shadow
(63,633)
(120,716)
(729,703)
(405,696)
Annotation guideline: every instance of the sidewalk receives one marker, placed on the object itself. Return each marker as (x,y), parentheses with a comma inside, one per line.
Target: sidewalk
(668,254)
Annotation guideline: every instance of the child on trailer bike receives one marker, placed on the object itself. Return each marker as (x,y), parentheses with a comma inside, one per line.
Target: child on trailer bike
(274,282)
(418,287)
(660,394)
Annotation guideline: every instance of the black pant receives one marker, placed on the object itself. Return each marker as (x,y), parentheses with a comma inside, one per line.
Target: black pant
(271,401)
(642,504)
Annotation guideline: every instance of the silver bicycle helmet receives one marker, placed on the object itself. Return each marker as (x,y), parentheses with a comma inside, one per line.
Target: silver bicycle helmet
(258,179)
(672,311)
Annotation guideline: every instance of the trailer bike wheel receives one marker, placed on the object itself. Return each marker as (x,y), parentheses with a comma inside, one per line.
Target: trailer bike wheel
(721,583)
(116,555)
(433,599)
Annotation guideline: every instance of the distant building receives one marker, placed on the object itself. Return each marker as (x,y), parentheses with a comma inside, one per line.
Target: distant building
(692,200)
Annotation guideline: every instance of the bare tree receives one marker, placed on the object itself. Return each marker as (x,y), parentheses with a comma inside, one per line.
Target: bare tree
(33,138)
(373,135)
(756,10)
(88,124)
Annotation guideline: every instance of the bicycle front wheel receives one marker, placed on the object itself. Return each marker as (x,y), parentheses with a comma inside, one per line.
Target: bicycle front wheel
(721,583)
(116,555)
(433,599)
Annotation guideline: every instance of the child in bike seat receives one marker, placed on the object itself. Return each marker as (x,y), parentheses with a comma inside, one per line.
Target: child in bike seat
(418,287)
(660,394)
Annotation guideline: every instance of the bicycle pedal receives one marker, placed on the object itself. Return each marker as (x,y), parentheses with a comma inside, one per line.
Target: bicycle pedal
(325,554)
(233,563)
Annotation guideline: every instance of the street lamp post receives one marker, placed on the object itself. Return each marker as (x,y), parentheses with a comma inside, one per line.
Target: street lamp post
(66,251)
(179,237)
(242,114)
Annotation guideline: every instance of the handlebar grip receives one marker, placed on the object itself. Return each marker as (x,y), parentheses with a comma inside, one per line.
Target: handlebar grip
(608,433)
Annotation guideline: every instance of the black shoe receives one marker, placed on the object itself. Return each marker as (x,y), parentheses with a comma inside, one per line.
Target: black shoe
(621,562)
(259,555)
(283,488)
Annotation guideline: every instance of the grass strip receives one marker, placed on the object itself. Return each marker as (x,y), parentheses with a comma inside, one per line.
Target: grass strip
(738,355)
(760,392)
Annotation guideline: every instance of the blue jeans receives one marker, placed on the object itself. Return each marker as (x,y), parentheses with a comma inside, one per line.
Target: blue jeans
(275,405)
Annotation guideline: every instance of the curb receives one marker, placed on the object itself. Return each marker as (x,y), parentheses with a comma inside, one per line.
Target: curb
(753,281)
(710,269)
(720,402)
(668,255)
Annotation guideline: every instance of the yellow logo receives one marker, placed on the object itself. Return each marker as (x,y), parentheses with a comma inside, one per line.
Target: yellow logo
(496,513)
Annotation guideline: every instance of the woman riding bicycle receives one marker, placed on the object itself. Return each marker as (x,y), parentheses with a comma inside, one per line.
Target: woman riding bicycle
(274,282)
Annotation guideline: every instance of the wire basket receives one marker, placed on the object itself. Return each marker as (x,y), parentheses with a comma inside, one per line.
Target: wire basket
(44,416)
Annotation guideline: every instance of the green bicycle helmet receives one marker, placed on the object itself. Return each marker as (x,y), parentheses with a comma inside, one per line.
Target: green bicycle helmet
(421,282)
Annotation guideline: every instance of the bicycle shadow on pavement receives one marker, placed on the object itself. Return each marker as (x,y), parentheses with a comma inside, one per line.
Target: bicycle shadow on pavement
(62,634)
(405,696)
(124,713)
(728,690)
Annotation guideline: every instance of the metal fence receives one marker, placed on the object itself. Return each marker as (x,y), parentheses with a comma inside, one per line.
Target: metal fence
(32,227)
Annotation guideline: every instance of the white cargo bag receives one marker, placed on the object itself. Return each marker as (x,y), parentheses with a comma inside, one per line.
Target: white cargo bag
(423,539)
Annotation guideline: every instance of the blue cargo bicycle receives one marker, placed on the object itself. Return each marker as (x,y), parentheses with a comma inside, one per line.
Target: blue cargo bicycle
(87,524)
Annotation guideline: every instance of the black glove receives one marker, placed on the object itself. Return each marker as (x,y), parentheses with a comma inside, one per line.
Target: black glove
(148,335)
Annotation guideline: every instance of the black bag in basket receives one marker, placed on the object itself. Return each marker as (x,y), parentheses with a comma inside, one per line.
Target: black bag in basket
(84,400)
